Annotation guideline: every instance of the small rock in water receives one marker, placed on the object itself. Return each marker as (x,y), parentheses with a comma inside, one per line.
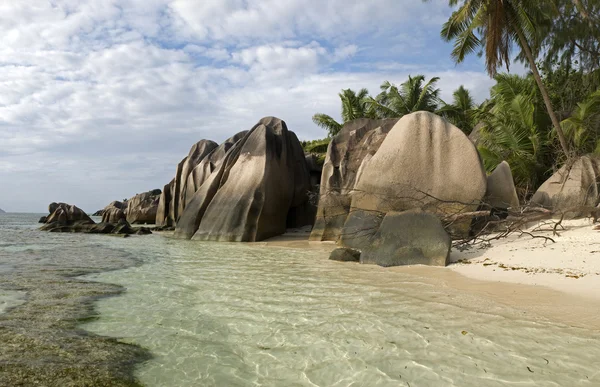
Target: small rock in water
(345,254)
(143,231)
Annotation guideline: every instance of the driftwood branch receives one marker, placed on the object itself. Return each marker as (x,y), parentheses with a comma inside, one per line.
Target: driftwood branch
(492,223)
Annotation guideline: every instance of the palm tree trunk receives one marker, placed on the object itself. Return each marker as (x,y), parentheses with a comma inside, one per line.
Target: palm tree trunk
(544,92)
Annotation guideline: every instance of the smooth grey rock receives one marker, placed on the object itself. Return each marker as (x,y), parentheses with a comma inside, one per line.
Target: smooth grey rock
(345,254)
(142,208)
(424,162)
(573,189)
(66,213)
(163,216)
(252,191)
(358,140)
(401,238)
(501,191)
(113,215)
(265,178)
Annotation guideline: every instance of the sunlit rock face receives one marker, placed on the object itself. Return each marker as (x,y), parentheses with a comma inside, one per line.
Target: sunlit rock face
(204,157)
(358,141)
(142,208)
(378,173)
(251,187)
(424,162)
(418,162)
(573,190)
(501,191)
(66,214)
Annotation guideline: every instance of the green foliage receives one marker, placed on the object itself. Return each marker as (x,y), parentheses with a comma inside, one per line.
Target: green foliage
(354,105)
(572,35)
(492,28)
(496,27)
(411,96)
(568,86)
(512,130)
(462,112)
(582,128)
(316,146)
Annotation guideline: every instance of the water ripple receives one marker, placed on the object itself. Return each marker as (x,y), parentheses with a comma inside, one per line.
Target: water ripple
(243,315)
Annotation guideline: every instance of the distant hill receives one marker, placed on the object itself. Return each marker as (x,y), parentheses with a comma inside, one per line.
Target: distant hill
(2,211)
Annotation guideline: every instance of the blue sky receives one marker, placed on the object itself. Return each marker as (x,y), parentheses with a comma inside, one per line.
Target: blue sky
(100,99)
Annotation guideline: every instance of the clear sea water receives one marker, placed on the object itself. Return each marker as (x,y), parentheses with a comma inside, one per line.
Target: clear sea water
(186,313)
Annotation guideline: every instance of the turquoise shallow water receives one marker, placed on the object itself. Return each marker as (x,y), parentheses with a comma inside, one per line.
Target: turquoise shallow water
(215,314)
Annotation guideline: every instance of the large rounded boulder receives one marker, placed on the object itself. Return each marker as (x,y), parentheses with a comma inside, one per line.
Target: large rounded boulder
(113,215)
(204,157)
(197,153)
(426,163)
(142,208)
(208,165)
(397,238)
(358,140)
(66,214)
(501,191)
(573,190)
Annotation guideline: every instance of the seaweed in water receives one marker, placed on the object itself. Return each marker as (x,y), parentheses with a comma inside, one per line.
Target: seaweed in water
(40,342)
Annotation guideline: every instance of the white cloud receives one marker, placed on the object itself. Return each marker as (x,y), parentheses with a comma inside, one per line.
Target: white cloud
(100,99)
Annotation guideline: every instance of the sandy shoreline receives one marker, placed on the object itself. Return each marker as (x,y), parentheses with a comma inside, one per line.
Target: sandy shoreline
(570,265)
(559,281)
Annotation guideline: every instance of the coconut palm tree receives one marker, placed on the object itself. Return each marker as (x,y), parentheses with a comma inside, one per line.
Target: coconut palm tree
(582,129)
(461,112)
(511,129)
(411,96)
(354,105)
(495,26)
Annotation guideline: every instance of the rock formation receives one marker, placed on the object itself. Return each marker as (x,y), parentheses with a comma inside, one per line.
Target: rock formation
(380,177)
(204,157)
(314,169)
(573,189)
(142,208)
(420,161)
(68,218)
(67,214)
(345,254)
(258,187)
(115,204)
(501,192)
(424,162)
(475,135)
(164,218)
(397,238)
(113,215)
(357,141)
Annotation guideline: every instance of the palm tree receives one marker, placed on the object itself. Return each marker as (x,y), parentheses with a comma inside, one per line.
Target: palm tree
(582,11)
(411,96)
(582,129)
(461,112)
(511,130)
(494,26)
(354,105)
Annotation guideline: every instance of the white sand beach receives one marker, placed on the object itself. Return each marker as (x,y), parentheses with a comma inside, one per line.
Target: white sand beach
(571,264)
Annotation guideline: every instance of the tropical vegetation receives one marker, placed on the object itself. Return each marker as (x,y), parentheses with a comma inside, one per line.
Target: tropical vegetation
(536,122)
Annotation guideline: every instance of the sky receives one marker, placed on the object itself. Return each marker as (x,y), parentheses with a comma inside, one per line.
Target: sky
(100,99)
